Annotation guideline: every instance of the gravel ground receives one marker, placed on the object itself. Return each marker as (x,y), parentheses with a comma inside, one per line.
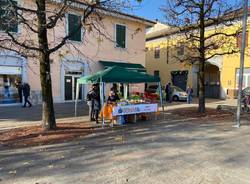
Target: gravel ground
(173,151)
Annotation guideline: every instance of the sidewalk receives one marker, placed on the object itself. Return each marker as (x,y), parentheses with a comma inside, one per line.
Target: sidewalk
(210,103)
(16,116)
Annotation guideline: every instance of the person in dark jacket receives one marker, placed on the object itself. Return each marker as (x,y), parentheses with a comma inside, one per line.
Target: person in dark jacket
(113,97)
(93,101)
(26,94)
(168,91)
(114,88)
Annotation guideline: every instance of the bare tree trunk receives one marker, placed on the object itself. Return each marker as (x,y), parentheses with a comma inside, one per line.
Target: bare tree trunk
(202,107)
(48,116)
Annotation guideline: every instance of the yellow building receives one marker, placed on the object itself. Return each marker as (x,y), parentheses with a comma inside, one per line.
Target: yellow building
(221,72)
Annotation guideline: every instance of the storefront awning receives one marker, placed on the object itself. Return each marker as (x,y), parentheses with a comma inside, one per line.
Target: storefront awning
(130,66)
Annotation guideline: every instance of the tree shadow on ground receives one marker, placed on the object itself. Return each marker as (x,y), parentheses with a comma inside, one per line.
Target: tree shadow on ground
(145,146)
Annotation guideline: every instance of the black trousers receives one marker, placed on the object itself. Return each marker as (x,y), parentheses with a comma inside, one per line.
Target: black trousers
(26,100)
(20,94)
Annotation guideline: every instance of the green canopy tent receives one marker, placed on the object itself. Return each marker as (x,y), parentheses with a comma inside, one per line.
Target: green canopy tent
(115,74)
(118,74)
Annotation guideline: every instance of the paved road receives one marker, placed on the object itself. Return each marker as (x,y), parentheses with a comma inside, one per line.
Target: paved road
(173,152)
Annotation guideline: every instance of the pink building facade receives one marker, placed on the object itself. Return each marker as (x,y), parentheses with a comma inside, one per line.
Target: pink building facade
(124,41)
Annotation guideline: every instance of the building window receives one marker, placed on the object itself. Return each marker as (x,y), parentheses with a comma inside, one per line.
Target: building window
(156,73)
(74,22)
(239,40)
(157,52)
(120,36)
(246,78)
(244,83)
(180,51)
(8,16)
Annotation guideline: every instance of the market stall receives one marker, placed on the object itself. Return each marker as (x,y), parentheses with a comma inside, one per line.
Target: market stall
(121,75)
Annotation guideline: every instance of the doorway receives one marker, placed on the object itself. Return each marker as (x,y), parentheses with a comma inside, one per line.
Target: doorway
(70,82)
(10,78)
(179,79)
(212,81)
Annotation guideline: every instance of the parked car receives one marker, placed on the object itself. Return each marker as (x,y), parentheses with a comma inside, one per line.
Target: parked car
(153,88)
(246,91)
(178,94)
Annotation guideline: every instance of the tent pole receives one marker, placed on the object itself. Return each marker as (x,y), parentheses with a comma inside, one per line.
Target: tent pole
(125,91)
(102,101)
(77,96)
(159,86)
(103,85)
(101,97)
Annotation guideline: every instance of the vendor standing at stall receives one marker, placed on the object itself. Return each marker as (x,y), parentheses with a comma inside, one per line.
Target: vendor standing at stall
(114,88)
(113,97)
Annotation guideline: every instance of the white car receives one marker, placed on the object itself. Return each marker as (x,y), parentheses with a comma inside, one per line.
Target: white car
(178,94)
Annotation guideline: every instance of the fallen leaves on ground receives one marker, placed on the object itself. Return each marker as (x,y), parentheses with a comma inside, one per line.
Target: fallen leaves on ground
(35,135)
(192,112)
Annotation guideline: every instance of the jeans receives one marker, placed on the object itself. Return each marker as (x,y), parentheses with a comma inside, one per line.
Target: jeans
(6,91)
(189,99)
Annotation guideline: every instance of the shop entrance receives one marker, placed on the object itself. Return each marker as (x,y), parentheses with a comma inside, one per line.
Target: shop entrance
(212,81)
(70,80)
(10,78)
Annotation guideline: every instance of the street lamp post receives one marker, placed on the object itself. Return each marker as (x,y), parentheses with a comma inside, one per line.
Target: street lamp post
(242,58)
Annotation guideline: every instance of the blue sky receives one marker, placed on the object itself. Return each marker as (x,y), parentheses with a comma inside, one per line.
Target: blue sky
(150,9)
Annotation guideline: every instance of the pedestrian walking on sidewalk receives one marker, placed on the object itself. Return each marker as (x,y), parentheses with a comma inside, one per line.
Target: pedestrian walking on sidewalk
(189,92)
(26,94)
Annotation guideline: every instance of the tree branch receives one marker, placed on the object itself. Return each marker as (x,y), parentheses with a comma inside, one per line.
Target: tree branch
(222,34)
(14,40)
(89,10)
(222,53)
(54,18)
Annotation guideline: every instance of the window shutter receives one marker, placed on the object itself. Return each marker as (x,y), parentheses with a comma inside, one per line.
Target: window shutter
(73,23)
(8,17)
(2,15)
(180,51)
(120,36)
(239,40)
(14,22)
(157,52)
